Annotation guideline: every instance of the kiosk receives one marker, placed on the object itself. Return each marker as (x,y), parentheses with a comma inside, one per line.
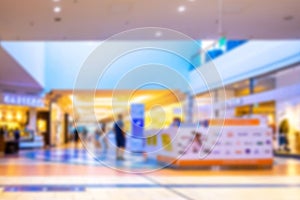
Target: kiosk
(238,142)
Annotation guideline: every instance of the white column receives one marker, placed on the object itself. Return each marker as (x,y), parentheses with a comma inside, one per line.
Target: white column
(189,108)
(32,119)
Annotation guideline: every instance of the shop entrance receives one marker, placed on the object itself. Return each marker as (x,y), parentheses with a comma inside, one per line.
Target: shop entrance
(22,127)
(160,108)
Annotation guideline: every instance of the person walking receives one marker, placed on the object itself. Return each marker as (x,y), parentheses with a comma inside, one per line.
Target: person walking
(283,136)
(97,139)
(104,137)
(120,137)
(2,141)
(75,136)
(17,136)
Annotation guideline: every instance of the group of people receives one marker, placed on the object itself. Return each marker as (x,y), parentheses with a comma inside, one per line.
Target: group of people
(16,133)
(120,137)
(9,140)
(100,137)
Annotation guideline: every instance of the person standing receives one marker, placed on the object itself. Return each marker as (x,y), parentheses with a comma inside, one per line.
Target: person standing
(2,141)
(75,136)
(97,139)
(120,137)
(104,137)
(283,135)
(17,136)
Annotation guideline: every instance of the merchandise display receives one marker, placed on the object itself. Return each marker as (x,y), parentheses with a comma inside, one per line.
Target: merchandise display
(238,142)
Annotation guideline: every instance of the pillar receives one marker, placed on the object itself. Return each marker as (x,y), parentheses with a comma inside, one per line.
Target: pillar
(251,91)
(32,120)
(189,108)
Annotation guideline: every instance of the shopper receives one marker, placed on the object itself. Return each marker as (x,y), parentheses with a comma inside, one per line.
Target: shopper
(176,122)
(17,136)
(5,131)
(104,138)
(75,136)
(2,141)
(283,132)
(97,137)
(120,137)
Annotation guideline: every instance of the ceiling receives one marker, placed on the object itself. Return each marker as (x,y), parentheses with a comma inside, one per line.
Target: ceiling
(14,78)
(100,19)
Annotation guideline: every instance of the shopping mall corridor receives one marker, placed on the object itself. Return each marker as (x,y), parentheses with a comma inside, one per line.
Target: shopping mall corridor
(60,174)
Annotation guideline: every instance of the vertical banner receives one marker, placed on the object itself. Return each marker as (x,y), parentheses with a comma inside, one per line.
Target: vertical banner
(137,113)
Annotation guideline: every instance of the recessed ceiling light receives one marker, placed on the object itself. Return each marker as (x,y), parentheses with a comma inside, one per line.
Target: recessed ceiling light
(57,9)
(57,19)
(288,17)
(158,34)
(181,9)
(56,0)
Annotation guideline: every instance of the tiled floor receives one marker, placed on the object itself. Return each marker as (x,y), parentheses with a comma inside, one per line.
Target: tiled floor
(47,177)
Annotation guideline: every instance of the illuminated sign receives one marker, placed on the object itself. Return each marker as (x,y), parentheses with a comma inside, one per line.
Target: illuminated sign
(137,112)
(25,100)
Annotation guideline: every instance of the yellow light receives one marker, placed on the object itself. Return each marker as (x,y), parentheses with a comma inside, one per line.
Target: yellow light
(9,116)
(42,125)
(139,99)
(19,116)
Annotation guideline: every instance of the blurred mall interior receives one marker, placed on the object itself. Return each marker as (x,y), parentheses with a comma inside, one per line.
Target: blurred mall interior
(136,99)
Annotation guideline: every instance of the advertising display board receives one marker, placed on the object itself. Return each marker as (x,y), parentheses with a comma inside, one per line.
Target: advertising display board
(137,112)
(239,142)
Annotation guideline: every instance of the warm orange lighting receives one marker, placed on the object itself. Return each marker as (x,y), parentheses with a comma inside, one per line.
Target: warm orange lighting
(19,116)
(9,116)
(42,125)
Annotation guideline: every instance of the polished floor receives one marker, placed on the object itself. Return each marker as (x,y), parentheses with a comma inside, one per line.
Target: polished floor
(72,174)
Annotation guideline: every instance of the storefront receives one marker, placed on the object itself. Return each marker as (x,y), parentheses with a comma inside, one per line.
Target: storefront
(158,108)
(24,115)
(288,120)
(274,96)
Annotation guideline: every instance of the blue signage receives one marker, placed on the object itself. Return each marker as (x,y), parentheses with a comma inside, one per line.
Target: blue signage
(24,100)
(137,113)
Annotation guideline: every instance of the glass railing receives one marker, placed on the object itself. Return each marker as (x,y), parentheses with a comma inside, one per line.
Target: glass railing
(212,49)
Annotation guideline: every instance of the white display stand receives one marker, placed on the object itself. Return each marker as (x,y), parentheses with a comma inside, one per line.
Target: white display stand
(38,142)
(238,142)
